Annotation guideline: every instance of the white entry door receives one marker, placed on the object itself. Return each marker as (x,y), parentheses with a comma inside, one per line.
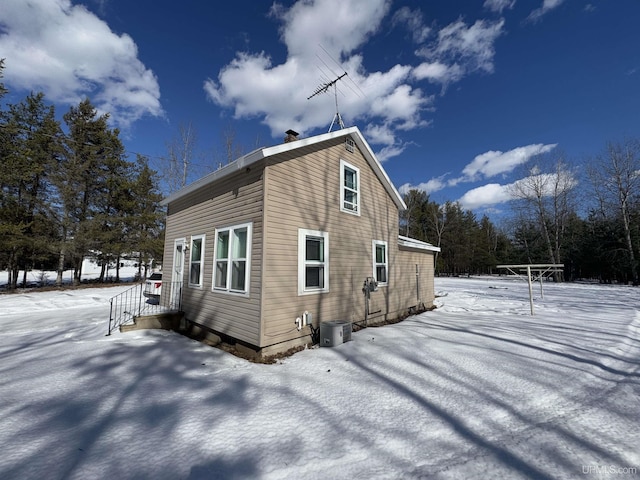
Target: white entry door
(177,273)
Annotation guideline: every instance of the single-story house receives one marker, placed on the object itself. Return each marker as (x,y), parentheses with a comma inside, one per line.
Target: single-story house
(293,228)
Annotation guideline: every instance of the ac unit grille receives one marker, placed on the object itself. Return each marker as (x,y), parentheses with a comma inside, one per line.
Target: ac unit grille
(335,332)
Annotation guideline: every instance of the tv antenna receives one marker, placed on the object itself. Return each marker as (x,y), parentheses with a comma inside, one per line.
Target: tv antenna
(324,88)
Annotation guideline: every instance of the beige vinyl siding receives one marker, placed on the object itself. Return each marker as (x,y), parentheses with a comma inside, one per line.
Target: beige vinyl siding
(232,201)
(303,191)
(405,280)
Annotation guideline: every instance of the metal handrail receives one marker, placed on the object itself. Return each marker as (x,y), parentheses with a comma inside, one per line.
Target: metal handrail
(131,303)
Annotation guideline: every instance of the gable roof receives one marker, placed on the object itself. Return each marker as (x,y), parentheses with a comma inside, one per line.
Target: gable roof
(262,153)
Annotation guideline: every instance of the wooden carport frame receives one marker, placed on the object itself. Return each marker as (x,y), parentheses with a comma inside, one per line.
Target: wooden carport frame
(539,269)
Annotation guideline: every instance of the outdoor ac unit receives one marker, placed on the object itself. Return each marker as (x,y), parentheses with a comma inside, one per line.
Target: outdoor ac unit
(334,333)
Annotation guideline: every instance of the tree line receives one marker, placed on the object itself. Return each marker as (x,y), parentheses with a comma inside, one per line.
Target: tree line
(586,218)
(68,191)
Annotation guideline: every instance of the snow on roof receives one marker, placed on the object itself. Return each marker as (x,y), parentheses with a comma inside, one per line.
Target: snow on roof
(413,243)
(266,152)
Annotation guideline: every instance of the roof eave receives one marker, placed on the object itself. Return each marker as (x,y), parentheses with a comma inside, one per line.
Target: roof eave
(238,164)
(408,242)
(266,152)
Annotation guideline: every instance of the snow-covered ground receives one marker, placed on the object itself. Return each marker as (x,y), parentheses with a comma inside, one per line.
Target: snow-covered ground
(90,271)
(478,388)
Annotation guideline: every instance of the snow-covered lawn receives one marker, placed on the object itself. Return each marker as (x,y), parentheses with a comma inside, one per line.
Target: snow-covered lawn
(478,388)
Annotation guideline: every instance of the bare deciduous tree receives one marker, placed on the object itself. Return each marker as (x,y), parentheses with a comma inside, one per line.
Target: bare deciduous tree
(549,197)
(177,163)
(615,176)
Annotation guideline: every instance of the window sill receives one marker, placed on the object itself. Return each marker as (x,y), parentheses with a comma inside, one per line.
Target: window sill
(229,292)
(351,212)
(312,292)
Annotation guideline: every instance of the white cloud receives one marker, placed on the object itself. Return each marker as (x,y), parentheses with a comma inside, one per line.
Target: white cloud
(384,135)
(402,105)
(499,5)
(390,151)
(340,26)
(379,134)
(484,196)
(68,53)
(546,7)
(487,165)
(544,184)
(254,87)
(413,20)
(463,49)
(495,162)
(547,184)
(438,72)
(431,186)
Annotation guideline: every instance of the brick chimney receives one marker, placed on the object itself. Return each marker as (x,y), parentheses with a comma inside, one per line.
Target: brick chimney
(292,136)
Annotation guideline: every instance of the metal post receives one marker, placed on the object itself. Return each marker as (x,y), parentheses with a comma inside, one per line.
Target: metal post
(530,287)
(367,295)
(141,286)
(110,315)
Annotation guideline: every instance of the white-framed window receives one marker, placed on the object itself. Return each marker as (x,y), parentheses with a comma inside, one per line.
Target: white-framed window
(232,259)
(349,188)
(313,261)
(380,262)
(196,258)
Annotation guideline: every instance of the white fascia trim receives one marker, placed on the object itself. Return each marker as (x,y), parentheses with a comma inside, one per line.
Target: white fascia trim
(413,243)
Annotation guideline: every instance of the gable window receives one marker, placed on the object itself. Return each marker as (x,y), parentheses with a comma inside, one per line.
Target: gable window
(232,259)
(380,262)
(349,145)
(349,188)
(313,261)
(195,260)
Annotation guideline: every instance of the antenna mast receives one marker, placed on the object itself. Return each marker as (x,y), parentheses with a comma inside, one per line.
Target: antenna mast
(323,89)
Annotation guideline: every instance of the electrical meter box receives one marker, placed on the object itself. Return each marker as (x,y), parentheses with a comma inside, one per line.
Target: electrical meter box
(335,332)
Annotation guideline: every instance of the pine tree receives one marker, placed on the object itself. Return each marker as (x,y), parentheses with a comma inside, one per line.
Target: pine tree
(147,224)
(31,151)
(113,204)
(81,182)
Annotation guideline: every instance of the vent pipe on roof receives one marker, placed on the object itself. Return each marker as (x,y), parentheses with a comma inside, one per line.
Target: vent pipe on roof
(292,136)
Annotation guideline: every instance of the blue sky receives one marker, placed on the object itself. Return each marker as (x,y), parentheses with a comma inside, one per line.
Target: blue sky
(455,97)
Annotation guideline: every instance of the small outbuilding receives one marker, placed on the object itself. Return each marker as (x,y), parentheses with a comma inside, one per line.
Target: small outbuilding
(285,237)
